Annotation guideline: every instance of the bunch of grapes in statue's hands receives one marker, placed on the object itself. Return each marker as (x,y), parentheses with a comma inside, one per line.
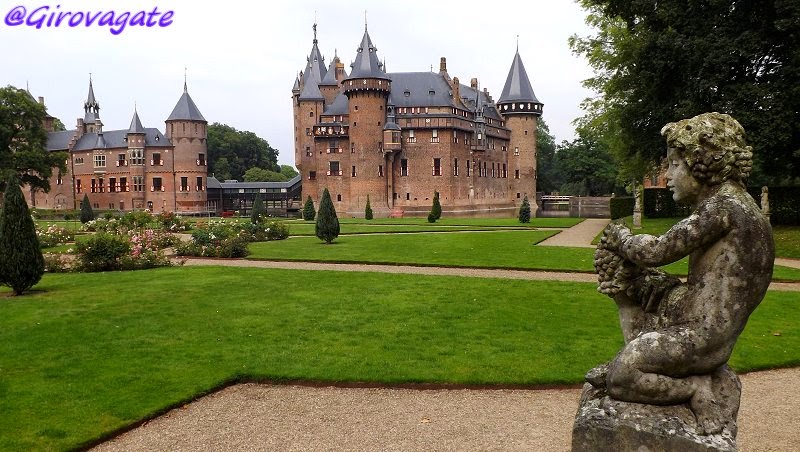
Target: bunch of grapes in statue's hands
(615,274)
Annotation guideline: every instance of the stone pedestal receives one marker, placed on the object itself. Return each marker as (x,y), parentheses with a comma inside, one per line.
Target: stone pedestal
(605,424)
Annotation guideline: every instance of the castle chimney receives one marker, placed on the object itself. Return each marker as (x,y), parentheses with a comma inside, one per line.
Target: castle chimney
(41,100)
(443,65)
(473,83)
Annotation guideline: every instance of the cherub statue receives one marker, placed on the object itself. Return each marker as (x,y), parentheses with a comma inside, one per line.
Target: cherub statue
(679,336)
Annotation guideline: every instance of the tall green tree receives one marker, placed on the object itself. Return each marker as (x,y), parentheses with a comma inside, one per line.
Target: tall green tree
(288,171)
(657,62)
(241,150)
(308,210)
(87,214)
(256,174)
(258,210)
(525,211)
(585,168)
(21,260)
(23,141)
(327,227)
(368,210)
(547,179)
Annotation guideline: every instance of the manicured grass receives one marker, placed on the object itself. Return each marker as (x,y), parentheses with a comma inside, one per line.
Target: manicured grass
(787,241)
(497,249)
(307,228)
(71,225)
(75,367)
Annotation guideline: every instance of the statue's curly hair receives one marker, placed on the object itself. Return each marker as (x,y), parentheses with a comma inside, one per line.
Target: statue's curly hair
(713,146)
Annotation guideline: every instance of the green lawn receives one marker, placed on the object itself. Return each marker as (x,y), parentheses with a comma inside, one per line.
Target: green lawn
(497,249)
(88,354)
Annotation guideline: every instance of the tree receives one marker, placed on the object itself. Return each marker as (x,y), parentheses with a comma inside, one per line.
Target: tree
(327,227)
(23,141)
(87,214)
(368,210)
(547,179)
(21,260)
(258,210)
(525,211)
(658,62)
(288,171)
(308,210)
(240,149)
(436,209)
(256,174)
(585,167)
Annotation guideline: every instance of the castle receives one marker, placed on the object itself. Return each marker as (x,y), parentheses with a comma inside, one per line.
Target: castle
(399,137)
(130,169)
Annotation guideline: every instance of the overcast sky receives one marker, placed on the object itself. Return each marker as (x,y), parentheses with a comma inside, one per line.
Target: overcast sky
(243,56)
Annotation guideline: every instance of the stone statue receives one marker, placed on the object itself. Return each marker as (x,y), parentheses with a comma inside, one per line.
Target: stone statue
(679,336)
(765,200)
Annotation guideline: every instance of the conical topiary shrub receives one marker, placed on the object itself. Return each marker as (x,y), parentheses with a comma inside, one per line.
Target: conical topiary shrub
(525,211)
(436,210)
(87,214)
(21,260)
(368,210)
(327,227)
(308,210)
(258,210)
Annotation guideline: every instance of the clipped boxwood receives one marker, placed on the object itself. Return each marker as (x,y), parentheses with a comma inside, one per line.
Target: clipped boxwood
(658,203)
(622,206)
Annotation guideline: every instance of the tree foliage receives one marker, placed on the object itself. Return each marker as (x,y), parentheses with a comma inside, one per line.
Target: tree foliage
(308,210)
(289,171)
(256,174)
(327,227)
(23,141)
(658,62)
(21,260)
(525,211)
(546,177)
(87,214)
(368,210)
(258,210)
(584,168)
(241,150)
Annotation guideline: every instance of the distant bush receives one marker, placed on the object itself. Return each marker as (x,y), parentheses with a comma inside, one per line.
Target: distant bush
(658,203)
(525,211)
(784,204)
(86,210)
(53,235)
(308,210)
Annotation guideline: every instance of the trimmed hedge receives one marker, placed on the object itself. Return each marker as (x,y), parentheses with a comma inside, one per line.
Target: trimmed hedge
(658,203)
(622,206)
(784,204)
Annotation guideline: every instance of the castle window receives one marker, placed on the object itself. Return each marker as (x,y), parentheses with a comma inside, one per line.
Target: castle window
(408,196)
(184,184)
(469,168)
(516,174)
(404,167)
(137,156)
(123,184)
(352,148)
(58,179)
(78,185)
(200,185)
(505,171)
(493,175)
(94,186)
(138,183)
(308,151)
(356,107)
(434,136)
(308,131)
(455,136)
(99,161)
(353,173)
(312,175)
(201,159)
(112,184)
(121,160)
(156,160)
(455,167)
(195,130)
(411,138)
(516,151)
(437,167)
(338,196)
(484,169)
(526,132)
(380,170)
(517,195)
(333,169)
(157,185)
(310,114)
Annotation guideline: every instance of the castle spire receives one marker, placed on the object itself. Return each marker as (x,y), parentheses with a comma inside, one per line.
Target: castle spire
(136,124)
(367,64)
(185,109)
(518,95)
(91,108)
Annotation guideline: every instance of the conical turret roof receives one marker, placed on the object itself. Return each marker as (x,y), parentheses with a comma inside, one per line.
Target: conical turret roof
(314,73)
(518,87)
(91,108)
(185,109)
(330,76)
(367,64)
(136,124)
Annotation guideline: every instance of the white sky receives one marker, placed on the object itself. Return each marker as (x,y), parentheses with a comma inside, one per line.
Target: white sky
(243,56)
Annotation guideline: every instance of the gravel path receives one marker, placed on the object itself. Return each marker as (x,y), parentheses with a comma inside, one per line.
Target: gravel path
(253,417)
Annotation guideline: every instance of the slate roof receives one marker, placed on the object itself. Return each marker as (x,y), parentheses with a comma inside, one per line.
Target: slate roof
(418,86)
(91,107)
(116,139)
(136,124)
(367,64)
(339,106)
(185,109)
(330,76)
(59,141)
(213,182)
(518,86)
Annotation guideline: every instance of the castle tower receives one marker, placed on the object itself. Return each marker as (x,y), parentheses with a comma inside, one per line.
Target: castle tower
(521,110)
(91,117)
(367,89)
(134,181)
(308,107)
(187,129)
